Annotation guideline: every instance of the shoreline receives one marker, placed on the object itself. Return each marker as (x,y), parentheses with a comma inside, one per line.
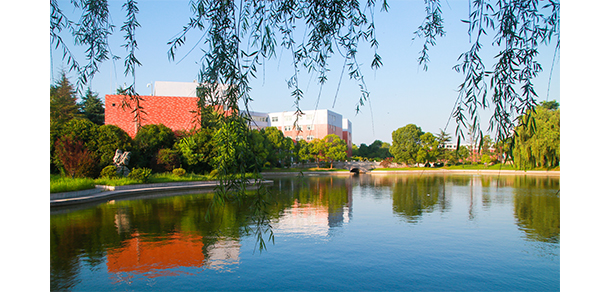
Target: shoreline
(419,172)
(102,192)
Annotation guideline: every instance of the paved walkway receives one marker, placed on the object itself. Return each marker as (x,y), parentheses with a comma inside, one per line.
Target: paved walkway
(101,193)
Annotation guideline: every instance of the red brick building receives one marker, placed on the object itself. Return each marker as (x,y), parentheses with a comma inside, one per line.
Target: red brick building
(178,112)
(175,112)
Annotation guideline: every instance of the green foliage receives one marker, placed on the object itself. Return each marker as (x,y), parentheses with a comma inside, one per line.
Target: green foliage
(406,143)
(179,171)
(77,129)
(197,150)
(336,149)
(330,148)
(537,140)
(167,160)
(377,149)
(109,139)
(140,174)
(149,140)
(63,105)
(92,108)
(109,171)
(278,147)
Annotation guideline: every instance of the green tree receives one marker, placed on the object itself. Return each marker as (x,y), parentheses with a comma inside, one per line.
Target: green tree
(81,130)
(536,142)
(92,108)
(279,147)
(109,139)
(197,151)
(334,149)
(301,149)
(149,140)
(429,150)
(63,105)
(406,143)
(443,139)
(260,149)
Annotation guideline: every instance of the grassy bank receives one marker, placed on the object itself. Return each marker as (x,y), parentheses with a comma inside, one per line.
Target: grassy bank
(66,184)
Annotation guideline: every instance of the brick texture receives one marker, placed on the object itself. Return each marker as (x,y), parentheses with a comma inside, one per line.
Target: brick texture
(175,112)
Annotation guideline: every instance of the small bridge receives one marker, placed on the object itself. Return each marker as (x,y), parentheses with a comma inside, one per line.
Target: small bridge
(357,166)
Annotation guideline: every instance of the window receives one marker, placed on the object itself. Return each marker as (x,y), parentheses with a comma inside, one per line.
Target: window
(309,138)
(298,128)
(287,128)
(299,138)
(274,119)
(287,118)
(309,127)
(308,117)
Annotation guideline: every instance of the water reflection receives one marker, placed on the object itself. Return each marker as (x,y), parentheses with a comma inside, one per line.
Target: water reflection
(311,207)
(171,236)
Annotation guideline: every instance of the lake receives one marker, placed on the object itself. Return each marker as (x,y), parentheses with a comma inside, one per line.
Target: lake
(368,232)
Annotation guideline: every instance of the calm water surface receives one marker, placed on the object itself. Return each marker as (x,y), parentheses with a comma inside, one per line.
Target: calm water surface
(402,232)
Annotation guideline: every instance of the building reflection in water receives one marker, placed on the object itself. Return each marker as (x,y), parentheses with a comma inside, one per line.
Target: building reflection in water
(317,208)
(155,256)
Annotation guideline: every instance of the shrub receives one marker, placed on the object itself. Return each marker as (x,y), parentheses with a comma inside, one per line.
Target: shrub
(109,172)
(76,130)
(149,140)
(76,160)
(179,172)
(167,160)
(140,174)
(386,162)
(214,173)
(110,138)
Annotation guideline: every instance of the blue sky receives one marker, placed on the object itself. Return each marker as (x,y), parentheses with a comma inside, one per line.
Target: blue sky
(401,92)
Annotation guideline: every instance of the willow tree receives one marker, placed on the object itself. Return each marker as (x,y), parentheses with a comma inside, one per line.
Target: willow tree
(537,144)
(240,34)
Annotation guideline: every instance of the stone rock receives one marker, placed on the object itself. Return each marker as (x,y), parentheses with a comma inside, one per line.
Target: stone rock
(121,160)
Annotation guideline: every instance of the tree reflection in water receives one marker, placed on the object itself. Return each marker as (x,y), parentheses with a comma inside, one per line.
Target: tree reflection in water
(153,236)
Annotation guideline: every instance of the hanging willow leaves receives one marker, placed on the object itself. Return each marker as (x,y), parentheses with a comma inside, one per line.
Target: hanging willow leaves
(239,35)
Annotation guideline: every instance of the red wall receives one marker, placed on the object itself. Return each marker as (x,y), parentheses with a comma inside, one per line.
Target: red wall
(171,111)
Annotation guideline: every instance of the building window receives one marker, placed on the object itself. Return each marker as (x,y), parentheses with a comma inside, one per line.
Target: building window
(287,128)
(309,138)
(287,118)
(308,117)
(309,127)
(299,138)
(274,119)
(298,128)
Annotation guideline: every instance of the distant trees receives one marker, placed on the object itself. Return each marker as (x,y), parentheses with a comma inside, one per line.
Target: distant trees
(377,150)
(328,149)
